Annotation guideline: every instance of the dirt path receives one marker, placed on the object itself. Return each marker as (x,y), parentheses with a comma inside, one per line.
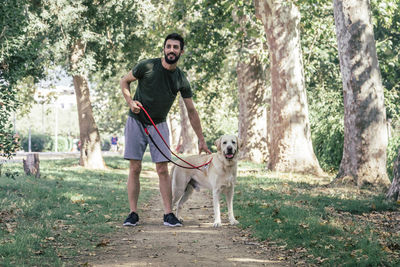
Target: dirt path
(196,244)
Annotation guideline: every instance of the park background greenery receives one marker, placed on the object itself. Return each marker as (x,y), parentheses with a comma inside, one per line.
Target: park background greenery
(36,37)
(71,205)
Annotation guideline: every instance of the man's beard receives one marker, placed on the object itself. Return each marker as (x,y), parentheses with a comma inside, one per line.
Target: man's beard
(171,61)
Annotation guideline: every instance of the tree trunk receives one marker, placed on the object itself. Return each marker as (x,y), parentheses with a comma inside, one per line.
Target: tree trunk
(394,190)
(252,110)
(31,165)
(187,140)
(91,156)
(365,133)
(174,126)
(291,146)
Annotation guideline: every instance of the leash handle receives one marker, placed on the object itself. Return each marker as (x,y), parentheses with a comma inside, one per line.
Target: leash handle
(155,127)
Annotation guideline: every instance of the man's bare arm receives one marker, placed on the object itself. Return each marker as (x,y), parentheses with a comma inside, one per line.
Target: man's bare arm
(196,125)
(126,91)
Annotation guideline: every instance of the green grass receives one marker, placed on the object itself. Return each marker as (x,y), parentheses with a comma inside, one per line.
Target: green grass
(48,221)
(325,226)
(69,210)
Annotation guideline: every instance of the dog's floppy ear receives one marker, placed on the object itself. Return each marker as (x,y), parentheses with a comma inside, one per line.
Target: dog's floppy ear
(218,144)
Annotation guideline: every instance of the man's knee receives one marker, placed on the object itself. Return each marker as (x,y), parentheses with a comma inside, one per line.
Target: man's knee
(162,169)
(135,167)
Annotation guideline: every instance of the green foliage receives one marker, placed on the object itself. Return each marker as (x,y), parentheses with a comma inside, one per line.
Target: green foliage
(63,144)
(117,34)
(39,142)
(327,129)
(9,142)
(43,142)
(386,20)
(105,144)
(21,41)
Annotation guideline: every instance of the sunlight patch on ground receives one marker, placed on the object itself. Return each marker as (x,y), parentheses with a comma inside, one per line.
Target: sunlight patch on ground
(251,260)
(77,198)
(177,231)
(117,263)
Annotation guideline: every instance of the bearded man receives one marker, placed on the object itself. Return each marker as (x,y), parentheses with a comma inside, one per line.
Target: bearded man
(159,81)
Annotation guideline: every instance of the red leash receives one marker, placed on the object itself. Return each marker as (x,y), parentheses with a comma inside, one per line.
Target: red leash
(155,127)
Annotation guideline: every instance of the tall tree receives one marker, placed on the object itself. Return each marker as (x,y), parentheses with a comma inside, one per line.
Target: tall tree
(253,87)
(90,149)
(291,146)
(365,132)
(187,137)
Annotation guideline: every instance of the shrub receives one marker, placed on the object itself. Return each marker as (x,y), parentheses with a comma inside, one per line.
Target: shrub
(105,145)
(328,145)
(39,142)
(62,144)
(9,143)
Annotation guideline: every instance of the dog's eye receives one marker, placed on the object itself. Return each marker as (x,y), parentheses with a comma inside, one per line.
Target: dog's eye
(224,142)
(233,142)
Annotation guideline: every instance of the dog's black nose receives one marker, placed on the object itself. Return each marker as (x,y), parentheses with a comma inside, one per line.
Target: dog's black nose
(229,148)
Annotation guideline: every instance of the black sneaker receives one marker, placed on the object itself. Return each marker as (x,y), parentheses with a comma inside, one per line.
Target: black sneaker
(171,220)
(132,219)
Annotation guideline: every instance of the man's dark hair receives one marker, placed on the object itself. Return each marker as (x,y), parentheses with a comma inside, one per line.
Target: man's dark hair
(175,36)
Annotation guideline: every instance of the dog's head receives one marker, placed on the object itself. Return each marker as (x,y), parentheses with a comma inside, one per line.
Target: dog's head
(228,146)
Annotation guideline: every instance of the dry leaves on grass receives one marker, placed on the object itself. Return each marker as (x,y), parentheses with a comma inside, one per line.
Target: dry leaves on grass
(103,243)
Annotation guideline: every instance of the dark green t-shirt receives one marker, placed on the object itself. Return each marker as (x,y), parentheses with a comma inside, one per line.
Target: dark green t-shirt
(157,89)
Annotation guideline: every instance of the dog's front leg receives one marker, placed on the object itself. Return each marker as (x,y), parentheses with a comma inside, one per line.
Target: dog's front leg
(229,201)
(217,212)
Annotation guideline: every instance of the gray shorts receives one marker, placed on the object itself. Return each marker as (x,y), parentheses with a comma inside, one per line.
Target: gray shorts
(136,141)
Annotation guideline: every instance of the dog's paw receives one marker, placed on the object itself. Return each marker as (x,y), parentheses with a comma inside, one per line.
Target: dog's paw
(217,224)
(234,222)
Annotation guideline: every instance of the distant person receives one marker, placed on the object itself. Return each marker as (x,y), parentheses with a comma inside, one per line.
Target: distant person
(114,143)
(159,81)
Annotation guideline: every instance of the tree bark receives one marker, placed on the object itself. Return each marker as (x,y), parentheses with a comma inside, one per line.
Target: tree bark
(252,110)
(187,140)
(174,126)
(90,156)
(394,190)
(365,132)
(290,147)
(32,165)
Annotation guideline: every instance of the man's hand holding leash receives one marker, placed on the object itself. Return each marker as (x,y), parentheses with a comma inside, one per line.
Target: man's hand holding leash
(203,147)
(134,106)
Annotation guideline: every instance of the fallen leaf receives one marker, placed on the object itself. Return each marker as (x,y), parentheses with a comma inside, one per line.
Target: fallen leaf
(303,225)
(103,243)
(39,252)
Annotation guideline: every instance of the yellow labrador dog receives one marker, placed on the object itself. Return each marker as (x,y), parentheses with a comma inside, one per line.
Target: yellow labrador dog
(219,176)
